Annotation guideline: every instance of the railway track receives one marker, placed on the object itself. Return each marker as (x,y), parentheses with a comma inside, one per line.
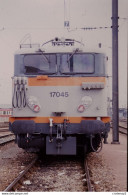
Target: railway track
(4,129)
(89,185)
(7,138)
(11,187)
(122,129)
(53,174)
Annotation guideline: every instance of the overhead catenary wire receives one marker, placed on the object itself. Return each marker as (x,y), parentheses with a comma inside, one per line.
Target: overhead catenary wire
(61,28)
(96,28)
(67,13)
(90,28)
(68,28)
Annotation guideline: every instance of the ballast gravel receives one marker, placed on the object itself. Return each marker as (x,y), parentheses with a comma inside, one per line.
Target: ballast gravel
(102,177)
(13,160)
(56,174)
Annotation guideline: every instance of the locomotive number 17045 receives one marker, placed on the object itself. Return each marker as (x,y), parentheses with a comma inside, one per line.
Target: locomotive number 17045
(59,94)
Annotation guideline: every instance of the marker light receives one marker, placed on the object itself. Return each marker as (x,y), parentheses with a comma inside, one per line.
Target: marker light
(81,108)
(36,108)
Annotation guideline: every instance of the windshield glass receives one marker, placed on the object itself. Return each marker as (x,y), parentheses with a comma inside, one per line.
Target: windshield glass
(78,63)
(40,64)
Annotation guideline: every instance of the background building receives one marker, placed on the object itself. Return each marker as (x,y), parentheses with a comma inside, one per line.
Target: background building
(5,112)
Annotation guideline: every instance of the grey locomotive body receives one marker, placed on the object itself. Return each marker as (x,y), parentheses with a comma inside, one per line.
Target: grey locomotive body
(59,99)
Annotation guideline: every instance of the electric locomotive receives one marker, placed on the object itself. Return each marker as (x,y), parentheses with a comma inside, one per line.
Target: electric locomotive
(59,98)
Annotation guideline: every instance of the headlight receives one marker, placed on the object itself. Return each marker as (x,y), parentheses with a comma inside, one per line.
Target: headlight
(86,101)
(33,104)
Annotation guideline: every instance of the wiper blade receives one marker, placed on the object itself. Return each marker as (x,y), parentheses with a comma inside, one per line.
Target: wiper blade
(72,55)
(46,58)
(33,69)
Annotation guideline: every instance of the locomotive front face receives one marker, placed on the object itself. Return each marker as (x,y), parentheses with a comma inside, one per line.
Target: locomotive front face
(57,97)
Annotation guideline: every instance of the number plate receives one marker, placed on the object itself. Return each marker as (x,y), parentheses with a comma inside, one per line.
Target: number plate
(59,94)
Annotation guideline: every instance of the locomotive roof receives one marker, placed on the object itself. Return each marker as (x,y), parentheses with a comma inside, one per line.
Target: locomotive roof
(56,46)
(54,50)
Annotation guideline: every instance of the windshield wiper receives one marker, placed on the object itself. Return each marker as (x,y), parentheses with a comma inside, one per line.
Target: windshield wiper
(46,59)
(72,55)
(33,69)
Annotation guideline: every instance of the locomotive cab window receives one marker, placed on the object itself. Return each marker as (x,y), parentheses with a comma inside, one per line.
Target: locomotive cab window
(77,63)
(40,64)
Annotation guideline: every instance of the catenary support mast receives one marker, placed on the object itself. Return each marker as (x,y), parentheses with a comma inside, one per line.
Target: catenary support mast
(115,116)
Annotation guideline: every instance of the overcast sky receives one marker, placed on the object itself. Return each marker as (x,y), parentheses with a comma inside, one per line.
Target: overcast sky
(43,20)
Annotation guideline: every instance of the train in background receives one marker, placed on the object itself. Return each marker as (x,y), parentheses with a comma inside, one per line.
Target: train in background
(5,113)
(59,98)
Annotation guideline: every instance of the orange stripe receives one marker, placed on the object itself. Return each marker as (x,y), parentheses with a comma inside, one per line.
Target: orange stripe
(63,81)
(58,119)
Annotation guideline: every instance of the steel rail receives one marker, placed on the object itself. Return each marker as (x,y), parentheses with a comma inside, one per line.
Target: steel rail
(4,129)
(89,186)
(7,135)
(11,138)
(123,131)
(122,127)
(16,180)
